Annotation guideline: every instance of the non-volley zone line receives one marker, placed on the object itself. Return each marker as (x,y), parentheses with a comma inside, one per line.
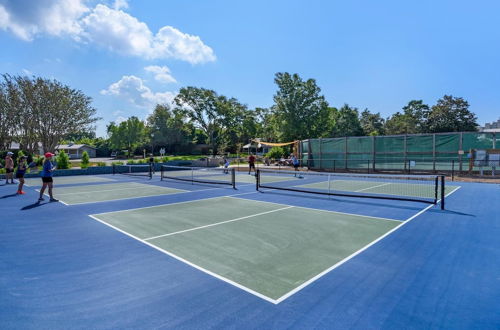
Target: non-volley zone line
(230,242)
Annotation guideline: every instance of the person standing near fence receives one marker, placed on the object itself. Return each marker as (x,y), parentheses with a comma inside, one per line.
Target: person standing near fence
(9,168)
(295,163)
(251,163)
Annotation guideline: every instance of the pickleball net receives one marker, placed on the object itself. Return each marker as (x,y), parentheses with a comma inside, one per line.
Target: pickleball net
(141,170)
(415,188)
(205,175)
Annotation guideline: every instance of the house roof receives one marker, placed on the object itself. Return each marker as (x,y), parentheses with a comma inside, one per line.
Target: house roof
(73,146)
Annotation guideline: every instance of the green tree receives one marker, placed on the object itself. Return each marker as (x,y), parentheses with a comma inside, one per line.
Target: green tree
(372,123)
(416,114)
(46,111)
(169,128)
(62,160)
(300,112)
(397,124)
(85,160)
(129,134)
(346,122)
(214,114)
(451,114)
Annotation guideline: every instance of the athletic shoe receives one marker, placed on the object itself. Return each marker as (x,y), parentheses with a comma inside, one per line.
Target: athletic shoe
(41,199)
(22,192)
(54,200)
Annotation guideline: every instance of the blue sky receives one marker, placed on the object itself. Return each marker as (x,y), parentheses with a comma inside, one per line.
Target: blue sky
(128,55)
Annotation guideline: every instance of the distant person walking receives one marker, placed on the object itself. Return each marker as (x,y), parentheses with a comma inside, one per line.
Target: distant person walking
(9,168)
(152,163)
(295,162)
(251,163)
(21,171)
(47,181)
(226,165)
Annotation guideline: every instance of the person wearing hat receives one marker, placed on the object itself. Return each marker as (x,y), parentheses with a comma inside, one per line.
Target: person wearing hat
(20,172)
(9,168)
(47,181)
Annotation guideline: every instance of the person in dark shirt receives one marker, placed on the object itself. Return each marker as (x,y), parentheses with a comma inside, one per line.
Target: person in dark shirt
(21,171)
(251,163)
(47,181)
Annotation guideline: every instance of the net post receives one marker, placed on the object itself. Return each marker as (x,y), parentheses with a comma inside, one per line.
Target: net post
(442,192)
(233,177)
(114,169)
(161,173)
(257,180)
(436,189)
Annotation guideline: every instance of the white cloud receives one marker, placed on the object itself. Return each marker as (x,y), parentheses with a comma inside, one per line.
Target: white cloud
(26,19)
(132,89)
(27,72)
(161,73)
(107,27)
(120,4)
(125,34)
(117,113)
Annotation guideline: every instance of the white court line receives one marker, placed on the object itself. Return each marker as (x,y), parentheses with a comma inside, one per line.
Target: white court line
(380,185)
(181,191)
(322,210)
(222,278)
(218,223)
(175,203)
(107,190)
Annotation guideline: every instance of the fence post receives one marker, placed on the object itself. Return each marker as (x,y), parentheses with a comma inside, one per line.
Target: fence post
(405,151)
(460,147)
(452,170)
(434,152)
(320,155)
(345,154)
(373,153)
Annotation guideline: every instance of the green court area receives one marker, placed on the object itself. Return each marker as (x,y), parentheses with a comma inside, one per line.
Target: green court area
(109,192)
(425,190)
(62,180)
(268,249)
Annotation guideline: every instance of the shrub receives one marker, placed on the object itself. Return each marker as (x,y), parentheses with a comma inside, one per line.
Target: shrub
(85,160)
(276,153)
(117,163)
(62,160)
(101,164)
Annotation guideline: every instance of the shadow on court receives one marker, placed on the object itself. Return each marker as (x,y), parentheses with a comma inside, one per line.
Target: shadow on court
(32,206)
(7,196)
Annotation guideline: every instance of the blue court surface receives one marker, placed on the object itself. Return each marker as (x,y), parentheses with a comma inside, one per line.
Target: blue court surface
(121,251)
